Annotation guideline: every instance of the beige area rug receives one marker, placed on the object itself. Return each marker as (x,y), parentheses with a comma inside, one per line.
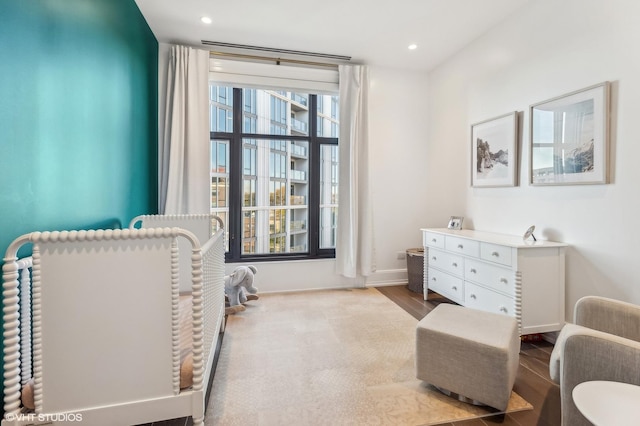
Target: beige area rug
(341,357)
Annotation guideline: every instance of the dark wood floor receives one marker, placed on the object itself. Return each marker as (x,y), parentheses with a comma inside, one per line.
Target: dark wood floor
(532,383)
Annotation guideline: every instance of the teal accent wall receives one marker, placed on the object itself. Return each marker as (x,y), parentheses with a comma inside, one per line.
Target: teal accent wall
(78,115)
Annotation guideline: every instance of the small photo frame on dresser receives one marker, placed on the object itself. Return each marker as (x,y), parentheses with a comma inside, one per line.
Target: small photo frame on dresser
(455,222)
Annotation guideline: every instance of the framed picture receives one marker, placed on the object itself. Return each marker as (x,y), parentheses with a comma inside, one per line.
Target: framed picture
(455,222)
(493,151)
(570,138)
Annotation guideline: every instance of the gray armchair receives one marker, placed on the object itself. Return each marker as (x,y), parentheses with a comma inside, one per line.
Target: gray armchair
(603,344)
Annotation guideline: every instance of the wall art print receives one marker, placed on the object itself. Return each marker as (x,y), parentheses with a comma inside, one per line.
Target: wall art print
(570,138)
(493,151)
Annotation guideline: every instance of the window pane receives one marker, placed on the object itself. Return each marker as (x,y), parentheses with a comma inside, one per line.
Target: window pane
(328,195)
(221,108)
(275,112)
(249,232)
(299,114)
(275,196)
(328,116)
(220,180)
(250,118)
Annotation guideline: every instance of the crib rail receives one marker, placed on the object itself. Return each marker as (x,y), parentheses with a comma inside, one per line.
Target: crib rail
(213,296)
(202,225)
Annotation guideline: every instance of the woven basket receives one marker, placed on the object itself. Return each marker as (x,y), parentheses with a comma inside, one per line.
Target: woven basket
(415,269)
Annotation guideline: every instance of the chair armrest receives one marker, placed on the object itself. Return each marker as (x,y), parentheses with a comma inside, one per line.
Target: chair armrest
(609,315)
(587,357)
(558,348)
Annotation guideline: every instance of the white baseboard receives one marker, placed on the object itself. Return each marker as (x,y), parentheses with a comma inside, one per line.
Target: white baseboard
(289,276)
(387,277)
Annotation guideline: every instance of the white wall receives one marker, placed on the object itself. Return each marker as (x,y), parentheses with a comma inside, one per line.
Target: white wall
(398,129)
(397,118)
(548,48)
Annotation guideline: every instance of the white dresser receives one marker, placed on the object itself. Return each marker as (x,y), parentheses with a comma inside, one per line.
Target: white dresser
(498,273)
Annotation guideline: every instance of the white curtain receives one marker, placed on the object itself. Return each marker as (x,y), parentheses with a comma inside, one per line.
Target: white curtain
(184,151)
(354,242)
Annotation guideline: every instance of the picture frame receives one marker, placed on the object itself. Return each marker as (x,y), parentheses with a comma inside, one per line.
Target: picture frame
(569,137)
(494,151)
(455,222)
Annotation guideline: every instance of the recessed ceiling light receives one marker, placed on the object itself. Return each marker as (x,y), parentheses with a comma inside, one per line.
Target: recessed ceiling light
(413,46)
(206,19)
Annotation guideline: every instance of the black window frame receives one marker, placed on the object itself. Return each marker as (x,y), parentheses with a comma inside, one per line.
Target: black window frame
(235,216)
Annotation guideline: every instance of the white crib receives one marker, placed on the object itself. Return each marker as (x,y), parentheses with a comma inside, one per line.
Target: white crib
(98,332)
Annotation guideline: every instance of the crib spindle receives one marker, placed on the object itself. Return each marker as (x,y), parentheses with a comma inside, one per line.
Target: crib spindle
(175,316)
(11,328)
(36,302)
(25,318)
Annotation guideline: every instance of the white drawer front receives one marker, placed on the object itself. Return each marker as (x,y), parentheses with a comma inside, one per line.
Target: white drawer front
(431,239)
(487,300)
(446,284)
(496,253)
(462,246)
(500,279)
(446,261)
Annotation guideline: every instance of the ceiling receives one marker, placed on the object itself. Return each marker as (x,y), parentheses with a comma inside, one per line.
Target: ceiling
(371,32)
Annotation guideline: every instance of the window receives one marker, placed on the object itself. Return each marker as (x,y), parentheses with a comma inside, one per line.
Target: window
(274,172)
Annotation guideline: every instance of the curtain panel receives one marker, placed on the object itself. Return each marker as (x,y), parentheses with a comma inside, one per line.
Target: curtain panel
(184,151)
(354,240)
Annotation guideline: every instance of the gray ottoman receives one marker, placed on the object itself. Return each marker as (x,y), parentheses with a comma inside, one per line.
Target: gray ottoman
(470,352)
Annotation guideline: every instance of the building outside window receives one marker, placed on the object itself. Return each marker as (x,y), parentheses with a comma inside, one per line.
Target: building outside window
(274,172)
(220,178)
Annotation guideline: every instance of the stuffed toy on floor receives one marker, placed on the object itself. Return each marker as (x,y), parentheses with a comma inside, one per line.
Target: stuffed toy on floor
(238,288)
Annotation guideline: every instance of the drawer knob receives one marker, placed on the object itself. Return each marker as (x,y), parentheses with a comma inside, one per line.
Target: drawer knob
(473,270)
(504,280)
(434,258)
(454,288)
(454,264)
(495,254)
(433,279)
(433,240)
(473,296)
(503,309)
(460,246)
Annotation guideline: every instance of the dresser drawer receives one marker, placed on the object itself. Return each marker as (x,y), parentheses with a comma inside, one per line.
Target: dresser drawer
(431,239)
(500,279)
(495,253)
(462,246)
(445,261)
(487,300)
(446,284)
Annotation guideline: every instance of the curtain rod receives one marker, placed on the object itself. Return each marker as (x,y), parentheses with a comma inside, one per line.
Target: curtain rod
(276,51)
(278,61)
